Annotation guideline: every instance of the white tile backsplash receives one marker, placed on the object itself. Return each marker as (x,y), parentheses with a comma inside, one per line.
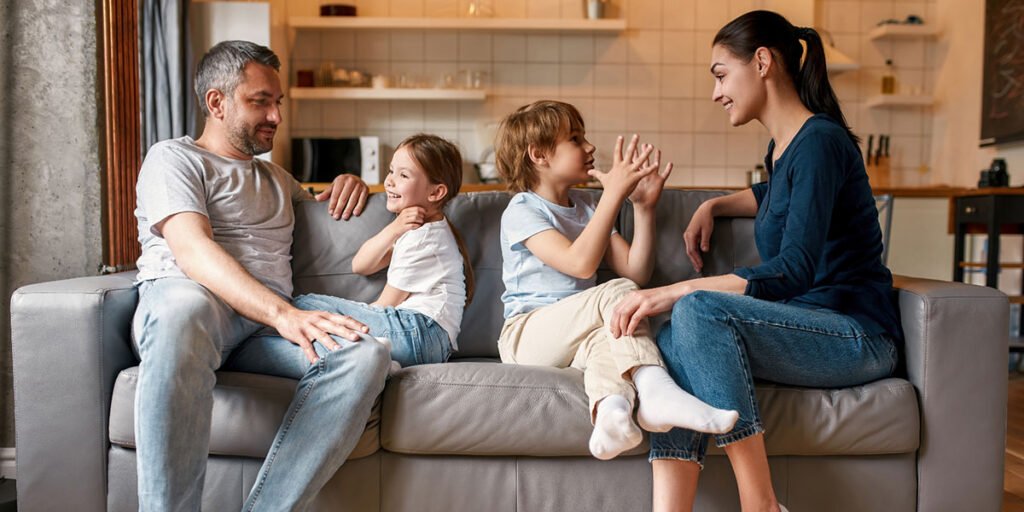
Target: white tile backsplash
(509,48)
(542,48)
(577,48)
(652,78)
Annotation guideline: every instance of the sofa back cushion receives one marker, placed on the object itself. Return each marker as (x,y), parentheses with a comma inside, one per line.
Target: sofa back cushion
(323,249)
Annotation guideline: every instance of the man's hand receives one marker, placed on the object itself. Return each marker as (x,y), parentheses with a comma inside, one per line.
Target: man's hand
(648,190)
(407,220)
(627,170)
(347,195)
(303,328)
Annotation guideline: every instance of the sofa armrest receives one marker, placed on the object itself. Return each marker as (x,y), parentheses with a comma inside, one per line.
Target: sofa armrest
(956,356)
(69,339)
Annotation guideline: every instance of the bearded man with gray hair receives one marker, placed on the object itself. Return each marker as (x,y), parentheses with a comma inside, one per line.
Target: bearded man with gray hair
(215,287)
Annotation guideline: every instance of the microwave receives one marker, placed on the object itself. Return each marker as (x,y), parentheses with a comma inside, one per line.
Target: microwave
(321,160)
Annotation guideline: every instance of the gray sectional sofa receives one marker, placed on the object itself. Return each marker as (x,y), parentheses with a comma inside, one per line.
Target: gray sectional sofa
(476,435)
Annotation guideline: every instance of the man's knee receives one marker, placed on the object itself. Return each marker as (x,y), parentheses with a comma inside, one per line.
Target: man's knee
(182,324)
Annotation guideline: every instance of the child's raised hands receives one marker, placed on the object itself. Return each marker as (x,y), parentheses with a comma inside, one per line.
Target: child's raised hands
(627,170)
(648,190)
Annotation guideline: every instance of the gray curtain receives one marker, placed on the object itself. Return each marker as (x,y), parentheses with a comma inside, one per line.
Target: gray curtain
(168,103)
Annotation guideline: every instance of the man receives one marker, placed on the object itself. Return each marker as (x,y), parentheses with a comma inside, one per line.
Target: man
(215,283)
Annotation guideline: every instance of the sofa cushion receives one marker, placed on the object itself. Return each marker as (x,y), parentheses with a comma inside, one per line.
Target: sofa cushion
(247,409)
(477,408)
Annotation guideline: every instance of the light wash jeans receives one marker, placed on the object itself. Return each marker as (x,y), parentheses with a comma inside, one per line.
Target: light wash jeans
(415,338)
(717,343)
(183,333)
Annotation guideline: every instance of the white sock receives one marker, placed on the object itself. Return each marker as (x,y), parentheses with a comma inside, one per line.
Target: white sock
(614,430)
(664,405)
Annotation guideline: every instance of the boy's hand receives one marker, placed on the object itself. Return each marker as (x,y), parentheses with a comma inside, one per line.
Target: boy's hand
(407,220)
(648,190)
(626,171)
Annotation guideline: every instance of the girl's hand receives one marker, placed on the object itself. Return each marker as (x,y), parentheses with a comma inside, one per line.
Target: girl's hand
(648,190)
(626,170)
(407,220)
(641,304)
(698,234)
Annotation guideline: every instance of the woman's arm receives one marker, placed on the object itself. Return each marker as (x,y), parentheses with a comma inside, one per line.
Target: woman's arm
(698,233)
(641,304)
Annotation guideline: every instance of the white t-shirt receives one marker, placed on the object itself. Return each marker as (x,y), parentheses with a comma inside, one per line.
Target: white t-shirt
(248,204)
(529,282)
(426,262)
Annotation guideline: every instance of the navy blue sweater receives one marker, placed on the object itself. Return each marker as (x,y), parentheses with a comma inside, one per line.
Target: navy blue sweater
(817,231)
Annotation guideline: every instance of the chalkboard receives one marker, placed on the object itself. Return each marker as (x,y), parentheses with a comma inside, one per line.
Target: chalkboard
(1002,114)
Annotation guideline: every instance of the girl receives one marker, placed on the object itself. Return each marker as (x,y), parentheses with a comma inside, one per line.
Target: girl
(553,237)
(819,310)
(429,278)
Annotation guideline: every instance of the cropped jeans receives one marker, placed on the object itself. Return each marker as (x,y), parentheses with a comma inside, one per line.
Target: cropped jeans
(716,344)
(415,338)
(184,333)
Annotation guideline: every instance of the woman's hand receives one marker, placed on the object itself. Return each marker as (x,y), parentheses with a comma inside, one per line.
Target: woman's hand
(641,304)
(698,234)
(648,190)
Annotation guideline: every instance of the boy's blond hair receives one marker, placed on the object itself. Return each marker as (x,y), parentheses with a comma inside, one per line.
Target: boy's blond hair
(539,124)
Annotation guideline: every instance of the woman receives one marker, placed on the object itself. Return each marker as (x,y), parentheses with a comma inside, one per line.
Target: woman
(819,310)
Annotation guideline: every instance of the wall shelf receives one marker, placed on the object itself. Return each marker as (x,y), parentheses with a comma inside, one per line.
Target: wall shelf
(508,24)
(893,31)
(370,93)
(899,100)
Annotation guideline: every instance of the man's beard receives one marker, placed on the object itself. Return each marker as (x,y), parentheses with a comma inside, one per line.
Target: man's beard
(248,142)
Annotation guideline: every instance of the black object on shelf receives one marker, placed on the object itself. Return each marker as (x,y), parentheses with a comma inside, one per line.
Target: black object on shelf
(337,10)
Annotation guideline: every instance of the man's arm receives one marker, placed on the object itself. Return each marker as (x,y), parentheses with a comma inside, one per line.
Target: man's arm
(190,238)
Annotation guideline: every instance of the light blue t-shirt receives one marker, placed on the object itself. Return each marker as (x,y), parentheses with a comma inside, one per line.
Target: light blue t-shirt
(529,282)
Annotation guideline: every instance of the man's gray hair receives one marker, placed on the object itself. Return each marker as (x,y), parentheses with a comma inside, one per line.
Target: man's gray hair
(223,66)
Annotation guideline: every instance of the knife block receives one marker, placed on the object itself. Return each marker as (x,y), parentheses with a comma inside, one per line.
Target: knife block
(879,172)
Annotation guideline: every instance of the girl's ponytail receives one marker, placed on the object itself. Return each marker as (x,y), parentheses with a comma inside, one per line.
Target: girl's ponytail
(812,83)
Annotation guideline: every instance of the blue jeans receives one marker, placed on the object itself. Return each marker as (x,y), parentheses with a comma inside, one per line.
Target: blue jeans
(415,338)
(183,333)
(717,343)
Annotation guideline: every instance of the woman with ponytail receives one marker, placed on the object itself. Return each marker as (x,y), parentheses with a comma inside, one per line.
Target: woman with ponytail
(819,310)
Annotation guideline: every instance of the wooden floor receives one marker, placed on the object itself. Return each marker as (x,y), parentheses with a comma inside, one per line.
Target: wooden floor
(1013,481)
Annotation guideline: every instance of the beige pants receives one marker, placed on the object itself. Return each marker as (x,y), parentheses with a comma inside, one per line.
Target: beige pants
(573,332)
